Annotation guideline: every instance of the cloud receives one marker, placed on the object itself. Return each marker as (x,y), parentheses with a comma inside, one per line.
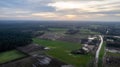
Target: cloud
(60,9)
(71,16)
(86,6)
(45,14)
(117,15)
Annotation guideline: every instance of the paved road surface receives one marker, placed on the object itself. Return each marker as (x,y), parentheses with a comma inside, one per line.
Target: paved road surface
(98,50)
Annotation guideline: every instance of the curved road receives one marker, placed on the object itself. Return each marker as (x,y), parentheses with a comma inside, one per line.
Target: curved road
(98,50)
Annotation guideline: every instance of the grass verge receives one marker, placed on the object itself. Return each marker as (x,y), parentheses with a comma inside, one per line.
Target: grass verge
(101,55)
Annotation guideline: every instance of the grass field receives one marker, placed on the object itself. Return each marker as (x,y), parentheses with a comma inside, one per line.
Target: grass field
(10,55)
(87,31)
(61,51)
(113,54)
(58,29)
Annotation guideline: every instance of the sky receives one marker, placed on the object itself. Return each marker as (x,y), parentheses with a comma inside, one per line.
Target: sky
(83,10)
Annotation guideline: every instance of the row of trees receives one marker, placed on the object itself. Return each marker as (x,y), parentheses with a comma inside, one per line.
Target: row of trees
(12,39)
(12,35)
(114,42)
(18,33)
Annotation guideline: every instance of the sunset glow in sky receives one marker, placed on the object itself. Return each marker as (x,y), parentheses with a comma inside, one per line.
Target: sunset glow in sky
(85,10)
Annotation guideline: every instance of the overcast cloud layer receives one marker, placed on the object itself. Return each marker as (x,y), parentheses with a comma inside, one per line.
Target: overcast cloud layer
(94,10)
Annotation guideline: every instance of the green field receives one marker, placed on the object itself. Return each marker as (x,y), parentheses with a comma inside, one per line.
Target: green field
(10,55)
(113,54)
(87,31)
(61,51)
(58,29)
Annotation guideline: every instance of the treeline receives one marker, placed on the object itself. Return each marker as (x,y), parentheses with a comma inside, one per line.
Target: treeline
(15,34)
(12,39)
(106,28)
(112,42)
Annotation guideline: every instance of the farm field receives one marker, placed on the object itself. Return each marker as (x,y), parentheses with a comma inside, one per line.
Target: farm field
(114,58)
(113,54)
(58,29)
(61,51)
(10,55)
(87,32)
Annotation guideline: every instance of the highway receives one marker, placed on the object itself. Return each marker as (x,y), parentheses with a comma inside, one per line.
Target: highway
(98,50)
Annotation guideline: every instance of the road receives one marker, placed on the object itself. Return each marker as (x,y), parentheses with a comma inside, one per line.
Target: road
(98,50)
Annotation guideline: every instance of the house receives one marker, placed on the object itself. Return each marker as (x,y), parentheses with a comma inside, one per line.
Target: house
(46,48)
(91,38)
(85,49)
